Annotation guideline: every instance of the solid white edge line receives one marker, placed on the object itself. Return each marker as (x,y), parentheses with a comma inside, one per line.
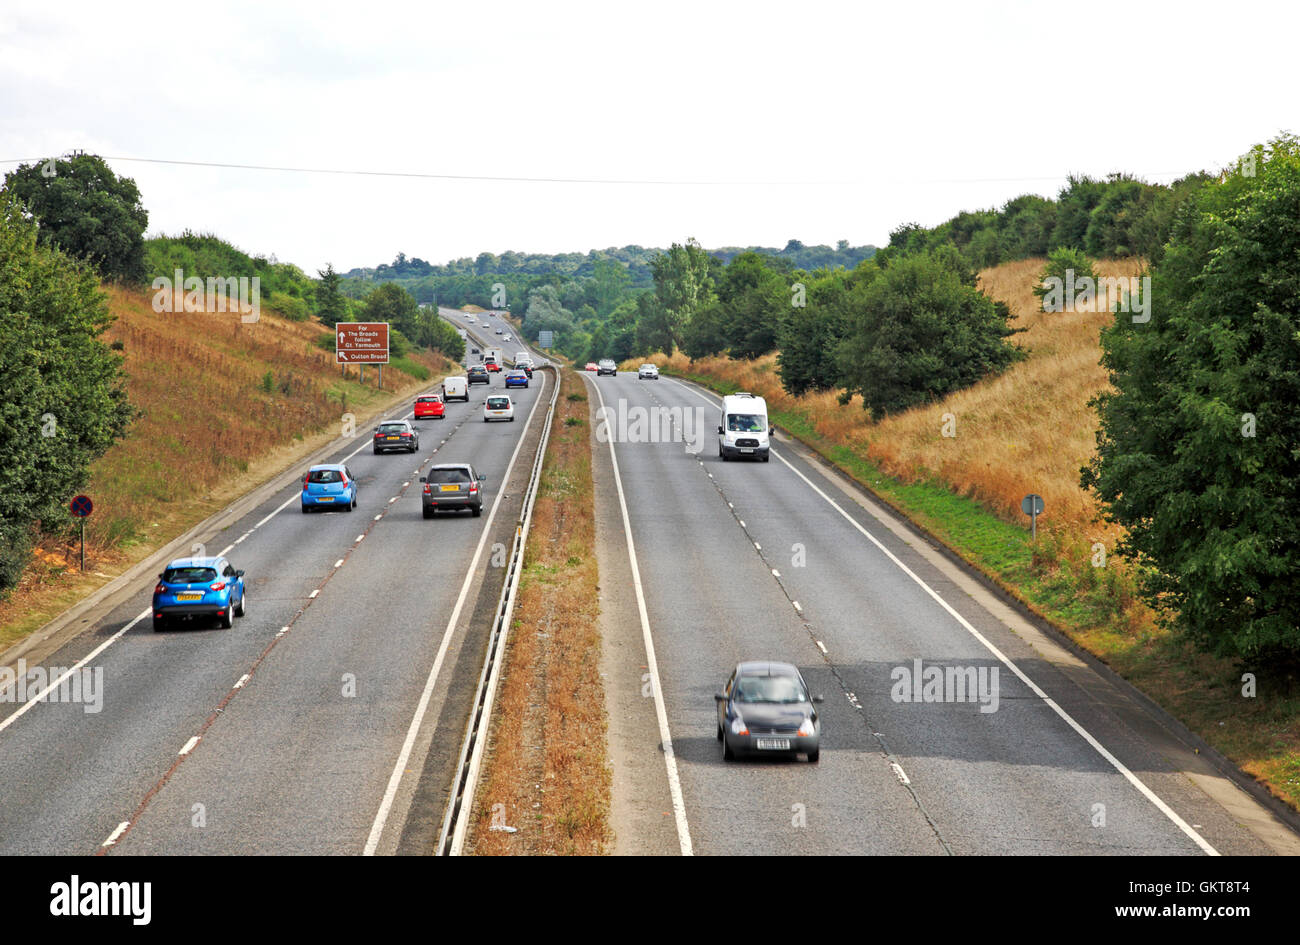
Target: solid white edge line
(670,759)
(189,745)
(1118,765)
(17,713)
(395,779)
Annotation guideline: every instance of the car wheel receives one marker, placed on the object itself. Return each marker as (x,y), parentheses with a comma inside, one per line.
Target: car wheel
(727,753)
(427,513)
(719,731)
(478,510)
(814,755)
(226,621)
(512,419)
(159,624)
(376,452)
(766,457)
(305,510)
(243,603)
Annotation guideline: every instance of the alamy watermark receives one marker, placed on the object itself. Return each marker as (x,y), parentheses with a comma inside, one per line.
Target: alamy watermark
(219,294)
(625,423)
(1101,294)
(56,684)
(920,683)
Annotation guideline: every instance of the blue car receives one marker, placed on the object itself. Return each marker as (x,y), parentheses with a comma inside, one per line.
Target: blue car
(190,588)
(516,379)
(329,486)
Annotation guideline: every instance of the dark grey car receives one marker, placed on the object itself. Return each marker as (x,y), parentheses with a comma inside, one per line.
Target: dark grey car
(452,486)
(766,709)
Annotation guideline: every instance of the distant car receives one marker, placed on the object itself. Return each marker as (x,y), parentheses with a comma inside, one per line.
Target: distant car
(430,405)
(327,486)
(526,367)
(500,331)
(506,337)
(477,375)
(766,708)
(498,407)
(591,366)
(396,435)
(516,378)
(647,372)
(199,587)
(492,366)
(452,486)
(607,367)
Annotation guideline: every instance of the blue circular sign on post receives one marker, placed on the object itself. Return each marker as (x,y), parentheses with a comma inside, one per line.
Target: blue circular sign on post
(81,506)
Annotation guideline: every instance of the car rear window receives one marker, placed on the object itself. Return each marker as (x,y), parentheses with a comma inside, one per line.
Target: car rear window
(429,400)
(392,428)
(325,475)
(783,689)
(496,403)
(189,575)
(448,475)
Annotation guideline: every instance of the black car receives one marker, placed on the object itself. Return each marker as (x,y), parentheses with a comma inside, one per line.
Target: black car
(478,375)
(766,709)
(452,486)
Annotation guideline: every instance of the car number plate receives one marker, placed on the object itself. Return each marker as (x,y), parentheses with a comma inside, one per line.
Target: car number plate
(189,597)
(325,498)
(774,744)
(451,488)
(392,437)
(747,449)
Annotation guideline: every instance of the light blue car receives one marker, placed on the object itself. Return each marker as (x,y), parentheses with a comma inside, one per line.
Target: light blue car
(329,486)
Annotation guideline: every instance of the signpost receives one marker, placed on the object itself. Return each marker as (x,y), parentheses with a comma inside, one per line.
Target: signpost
(1032,505)
(362,343)
(81,506)
(545,339)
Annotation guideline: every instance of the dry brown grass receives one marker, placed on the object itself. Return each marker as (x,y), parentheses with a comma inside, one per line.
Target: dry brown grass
(207,430)
(546,772)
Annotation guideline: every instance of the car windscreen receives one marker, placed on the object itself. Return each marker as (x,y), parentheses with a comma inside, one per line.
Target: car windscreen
(783,689)
(745,422)
(497,403)
(325,475)
(392,428)
(448,475)
(189,575)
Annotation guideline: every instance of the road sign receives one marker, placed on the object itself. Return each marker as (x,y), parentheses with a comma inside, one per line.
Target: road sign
(361,343)
(1032,505)
(81,506)
(545,339)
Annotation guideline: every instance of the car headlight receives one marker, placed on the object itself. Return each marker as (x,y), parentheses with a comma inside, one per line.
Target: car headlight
(738,726)
(807,728)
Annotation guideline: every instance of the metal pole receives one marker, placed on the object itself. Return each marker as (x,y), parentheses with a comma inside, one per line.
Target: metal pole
(1034,520)
(83,543)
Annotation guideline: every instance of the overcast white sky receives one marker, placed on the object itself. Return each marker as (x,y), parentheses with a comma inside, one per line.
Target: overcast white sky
(814,121)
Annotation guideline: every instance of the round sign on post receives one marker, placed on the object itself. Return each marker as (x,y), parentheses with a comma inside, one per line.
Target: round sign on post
(1032,505)
(81,506)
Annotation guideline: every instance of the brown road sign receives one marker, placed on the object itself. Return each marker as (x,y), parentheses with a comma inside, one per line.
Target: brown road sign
(361,343)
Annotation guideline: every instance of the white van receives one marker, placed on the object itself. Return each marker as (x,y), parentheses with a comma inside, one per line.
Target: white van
(522,356)
(455,387)
(743,429)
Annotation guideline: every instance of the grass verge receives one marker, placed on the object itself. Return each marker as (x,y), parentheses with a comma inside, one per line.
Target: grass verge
(546,773)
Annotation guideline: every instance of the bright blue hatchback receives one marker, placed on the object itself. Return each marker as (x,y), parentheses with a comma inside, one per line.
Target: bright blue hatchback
(189,588)
(330,485)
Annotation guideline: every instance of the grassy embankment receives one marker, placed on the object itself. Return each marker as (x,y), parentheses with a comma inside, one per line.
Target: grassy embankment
(224,405)
(546,773)
(1030,430)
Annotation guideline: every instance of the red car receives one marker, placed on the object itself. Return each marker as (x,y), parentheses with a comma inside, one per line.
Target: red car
(492,366)
(591,366)
(430,405)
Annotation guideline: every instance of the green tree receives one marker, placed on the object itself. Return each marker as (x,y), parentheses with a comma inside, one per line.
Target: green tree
(809,336)
(919,333)
(393,304)
(683,285)
(1067,267)
(751,297)
(1197,453)
(330,304)
(65,397)
(87,211)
